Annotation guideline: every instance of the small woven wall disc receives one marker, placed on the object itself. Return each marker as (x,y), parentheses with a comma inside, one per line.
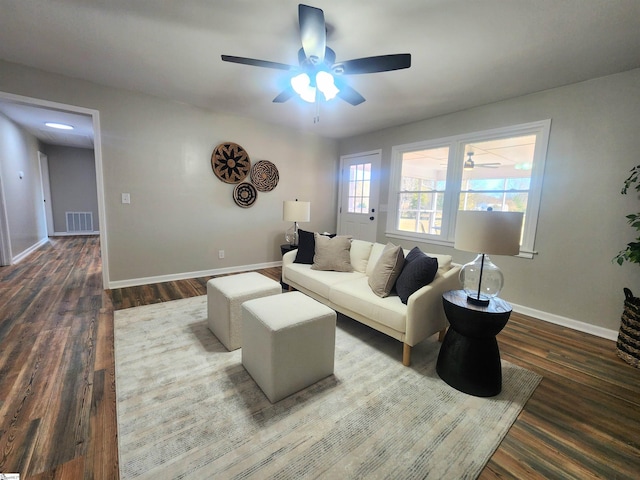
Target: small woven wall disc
(245,195)
(264,175)
(230,162)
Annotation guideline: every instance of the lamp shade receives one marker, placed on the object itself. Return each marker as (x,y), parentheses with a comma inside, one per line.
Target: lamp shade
(295,211)
(490,232)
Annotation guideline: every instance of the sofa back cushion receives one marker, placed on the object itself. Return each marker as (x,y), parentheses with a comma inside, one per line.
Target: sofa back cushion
(360,252)
(376,251)
(386,271)
(444,261)
(332,253)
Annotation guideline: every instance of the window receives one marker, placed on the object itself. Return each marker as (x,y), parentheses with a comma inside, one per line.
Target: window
(359,188)
(493,170)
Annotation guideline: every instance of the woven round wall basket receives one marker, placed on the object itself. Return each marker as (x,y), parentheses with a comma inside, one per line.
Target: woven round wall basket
(264,175)
(628,344)
(245,195)
(230,162)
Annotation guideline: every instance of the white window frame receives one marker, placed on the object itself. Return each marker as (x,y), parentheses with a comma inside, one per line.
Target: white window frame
(456,146)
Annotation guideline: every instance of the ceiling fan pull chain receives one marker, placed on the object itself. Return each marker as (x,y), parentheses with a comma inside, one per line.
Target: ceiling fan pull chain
(316,119)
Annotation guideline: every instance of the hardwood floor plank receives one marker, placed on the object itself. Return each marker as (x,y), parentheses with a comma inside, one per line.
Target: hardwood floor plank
(58,398)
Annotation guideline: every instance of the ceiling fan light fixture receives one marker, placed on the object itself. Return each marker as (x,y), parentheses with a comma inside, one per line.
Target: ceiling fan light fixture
(301,84)
(326,84)
(59,126)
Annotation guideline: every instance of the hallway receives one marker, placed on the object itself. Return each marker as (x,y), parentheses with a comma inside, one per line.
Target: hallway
(57,379)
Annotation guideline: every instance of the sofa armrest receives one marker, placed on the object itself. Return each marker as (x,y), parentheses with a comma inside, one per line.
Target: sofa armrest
(287,259)
(425,313)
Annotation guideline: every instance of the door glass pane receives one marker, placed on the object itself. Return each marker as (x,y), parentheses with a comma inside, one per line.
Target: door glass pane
(359,188)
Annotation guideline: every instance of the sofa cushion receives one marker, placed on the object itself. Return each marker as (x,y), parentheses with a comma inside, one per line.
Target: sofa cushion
(317,281)
(387,269)
(360,251)
(332,253)
(307,246)
(419,270)
(355,295)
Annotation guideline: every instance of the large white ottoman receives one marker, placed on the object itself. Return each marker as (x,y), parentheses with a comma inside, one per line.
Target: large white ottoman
(225,296)
(289,342)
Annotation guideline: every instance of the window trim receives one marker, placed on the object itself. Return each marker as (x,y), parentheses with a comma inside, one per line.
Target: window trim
(456,145)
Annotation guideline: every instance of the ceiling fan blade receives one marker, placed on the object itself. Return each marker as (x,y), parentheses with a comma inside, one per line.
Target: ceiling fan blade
(285,95)
(488,165)
(257,63)
(349,95)
(313,33)
(381,63)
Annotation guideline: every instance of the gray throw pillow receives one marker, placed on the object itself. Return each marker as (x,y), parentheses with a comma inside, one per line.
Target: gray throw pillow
(388,267)
(332,253)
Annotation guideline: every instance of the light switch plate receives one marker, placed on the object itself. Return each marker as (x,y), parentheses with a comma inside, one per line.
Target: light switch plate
(126,198)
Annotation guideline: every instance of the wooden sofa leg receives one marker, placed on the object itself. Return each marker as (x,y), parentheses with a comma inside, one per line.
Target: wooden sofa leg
(406,354)
(441,334)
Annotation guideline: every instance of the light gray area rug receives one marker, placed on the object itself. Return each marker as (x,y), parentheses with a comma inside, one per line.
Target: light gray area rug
(187,408)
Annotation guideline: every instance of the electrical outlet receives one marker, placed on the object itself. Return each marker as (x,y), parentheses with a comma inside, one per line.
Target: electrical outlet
(220,253)
(126,198)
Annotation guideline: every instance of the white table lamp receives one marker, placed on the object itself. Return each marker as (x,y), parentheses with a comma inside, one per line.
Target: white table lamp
(295,211)
(486,232)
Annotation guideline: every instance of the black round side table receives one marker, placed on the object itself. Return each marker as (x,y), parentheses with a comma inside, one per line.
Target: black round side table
(469,358)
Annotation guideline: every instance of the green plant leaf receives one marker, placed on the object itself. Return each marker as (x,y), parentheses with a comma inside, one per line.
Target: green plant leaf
(632,252)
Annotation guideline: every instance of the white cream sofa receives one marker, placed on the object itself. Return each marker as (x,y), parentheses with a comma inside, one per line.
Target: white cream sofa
(349,293)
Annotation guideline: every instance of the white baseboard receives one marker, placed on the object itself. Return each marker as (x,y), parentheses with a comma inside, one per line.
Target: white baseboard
(133,282)
(74,234)
(29,250)
(567,322)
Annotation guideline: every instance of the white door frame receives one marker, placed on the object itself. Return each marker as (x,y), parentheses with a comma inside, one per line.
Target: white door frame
(46,192)
(374,194)
(6,255)
(97,149)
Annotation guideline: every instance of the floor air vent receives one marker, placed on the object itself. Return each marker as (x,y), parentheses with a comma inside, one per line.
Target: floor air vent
(79,222)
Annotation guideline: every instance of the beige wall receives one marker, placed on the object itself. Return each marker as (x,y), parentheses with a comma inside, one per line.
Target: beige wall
(72,176)
(180,213)
(22,196)
(592,147)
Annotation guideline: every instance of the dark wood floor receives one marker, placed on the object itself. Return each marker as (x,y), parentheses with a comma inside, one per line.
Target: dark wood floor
(57,381)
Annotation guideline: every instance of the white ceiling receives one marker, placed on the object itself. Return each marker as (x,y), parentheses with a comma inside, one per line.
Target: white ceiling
(465,53)
(33,119)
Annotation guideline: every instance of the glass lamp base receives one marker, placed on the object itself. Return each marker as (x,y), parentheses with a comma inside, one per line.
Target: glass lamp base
(481,280)
(291,236)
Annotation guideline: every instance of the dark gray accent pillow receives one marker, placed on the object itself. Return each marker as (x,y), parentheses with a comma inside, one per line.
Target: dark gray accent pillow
(419,270)
(306,247)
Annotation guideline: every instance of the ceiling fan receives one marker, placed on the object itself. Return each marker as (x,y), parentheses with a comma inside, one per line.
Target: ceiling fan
(469,164)
(318,70)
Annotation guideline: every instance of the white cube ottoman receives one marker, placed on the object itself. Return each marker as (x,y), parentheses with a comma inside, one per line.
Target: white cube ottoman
(225,296)
(289,342)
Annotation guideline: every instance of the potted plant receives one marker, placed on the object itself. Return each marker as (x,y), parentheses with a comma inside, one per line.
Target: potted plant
(628,344)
